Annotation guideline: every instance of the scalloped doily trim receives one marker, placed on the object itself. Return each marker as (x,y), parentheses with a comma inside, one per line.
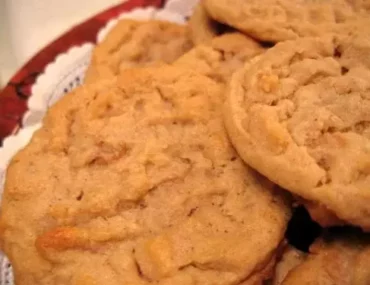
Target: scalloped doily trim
(45,90)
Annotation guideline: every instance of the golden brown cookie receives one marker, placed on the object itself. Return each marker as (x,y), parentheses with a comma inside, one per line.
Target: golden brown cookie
(290,259)
(321,214)
(202,27)
(134,181)
(222,56)
(137,43)
(300,115)
(279,20)
(335,262)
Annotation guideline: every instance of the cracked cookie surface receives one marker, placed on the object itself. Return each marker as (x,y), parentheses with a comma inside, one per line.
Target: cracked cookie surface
(279,20)
(222,56)
(134,181)
(300,115)
(137,43)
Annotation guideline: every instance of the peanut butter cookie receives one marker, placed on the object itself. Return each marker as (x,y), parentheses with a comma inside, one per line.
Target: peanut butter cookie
(222,56)
(279,20)
(134,181)
(137,43)
(300,115)
(333,262)
(202,27)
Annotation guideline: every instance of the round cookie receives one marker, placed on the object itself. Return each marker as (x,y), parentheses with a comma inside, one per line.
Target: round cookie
(279,20)
(333,262)
(134,181)
(222,56)
(137,43)
(300,115)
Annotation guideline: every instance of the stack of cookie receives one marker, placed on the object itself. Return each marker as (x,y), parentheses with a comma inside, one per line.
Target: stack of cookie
(169,165)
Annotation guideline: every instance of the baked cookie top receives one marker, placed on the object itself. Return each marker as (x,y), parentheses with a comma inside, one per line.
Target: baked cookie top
(133,181)
(137,43)
(222,56)
(334,262)
(300,115)
(279,20)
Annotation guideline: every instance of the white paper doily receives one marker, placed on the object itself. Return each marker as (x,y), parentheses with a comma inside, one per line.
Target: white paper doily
(63,75)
